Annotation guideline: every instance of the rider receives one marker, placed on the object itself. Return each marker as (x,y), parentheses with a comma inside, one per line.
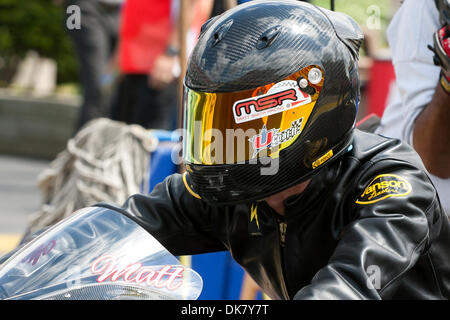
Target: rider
(311,207)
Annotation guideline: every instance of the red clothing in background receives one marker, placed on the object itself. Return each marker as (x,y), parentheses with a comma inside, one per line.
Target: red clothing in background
(144,34)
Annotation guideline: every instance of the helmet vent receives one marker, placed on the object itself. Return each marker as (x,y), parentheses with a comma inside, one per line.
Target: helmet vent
(268,37)
(206,25)
(220,33)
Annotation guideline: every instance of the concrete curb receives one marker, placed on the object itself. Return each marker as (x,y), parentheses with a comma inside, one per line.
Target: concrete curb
(36,127)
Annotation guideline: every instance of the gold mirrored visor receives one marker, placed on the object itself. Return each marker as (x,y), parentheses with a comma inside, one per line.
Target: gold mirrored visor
(235,127)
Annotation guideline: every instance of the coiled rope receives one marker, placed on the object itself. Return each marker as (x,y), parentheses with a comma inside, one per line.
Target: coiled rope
(106,161)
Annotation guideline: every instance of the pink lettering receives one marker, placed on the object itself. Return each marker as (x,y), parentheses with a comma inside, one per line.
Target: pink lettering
(107,267)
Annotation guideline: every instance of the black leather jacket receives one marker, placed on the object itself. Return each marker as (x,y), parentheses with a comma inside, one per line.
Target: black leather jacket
(349,235)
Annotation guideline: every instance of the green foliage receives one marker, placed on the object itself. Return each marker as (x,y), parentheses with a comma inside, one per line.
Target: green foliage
(363,11)
(37,25)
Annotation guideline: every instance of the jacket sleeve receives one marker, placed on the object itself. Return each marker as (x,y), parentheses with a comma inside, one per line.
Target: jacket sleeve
(389,232)
(175,217)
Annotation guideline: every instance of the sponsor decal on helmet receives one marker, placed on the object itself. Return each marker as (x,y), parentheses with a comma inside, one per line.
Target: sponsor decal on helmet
(322,159)
(282,96)
(384,186)
(274,137)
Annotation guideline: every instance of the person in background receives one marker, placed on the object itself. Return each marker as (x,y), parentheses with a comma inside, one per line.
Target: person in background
(95,43)
(148,56)
(419,111)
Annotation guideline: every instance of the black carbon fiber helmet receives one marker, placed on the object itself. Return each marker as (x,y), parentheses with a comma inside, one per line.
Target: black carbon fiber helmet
(270,97)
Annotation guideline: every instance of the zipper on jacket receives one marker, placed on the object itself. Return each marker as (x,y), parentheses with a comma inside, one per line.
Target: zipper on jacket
(282,227)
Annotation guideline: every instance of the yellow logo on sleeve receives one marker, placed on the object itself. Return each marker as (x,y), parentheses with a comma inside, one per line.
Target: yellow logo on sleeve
(384,186)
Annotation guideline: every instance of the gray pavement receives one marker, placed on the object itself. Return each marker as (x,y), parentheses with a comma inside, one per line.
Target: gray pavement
(19,194)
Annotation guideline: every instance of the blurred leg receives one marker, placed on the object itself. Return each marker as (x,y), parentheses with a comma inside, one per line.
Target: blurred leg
(125,98)
(93,47)
(157,109)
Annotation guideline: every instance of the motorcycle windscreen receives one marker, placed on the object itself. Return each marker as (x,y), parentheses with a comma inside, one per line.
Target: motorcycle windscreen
(96,254)
(235,127)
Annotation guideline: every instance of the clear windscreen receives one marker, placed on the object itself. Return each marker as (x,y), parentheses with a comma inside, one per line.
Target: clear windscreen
(96,254)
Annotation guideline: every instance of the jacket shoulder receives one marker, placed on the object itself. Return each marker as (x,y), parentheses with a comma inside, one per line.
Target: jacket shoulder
(391,176)
(371,147)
